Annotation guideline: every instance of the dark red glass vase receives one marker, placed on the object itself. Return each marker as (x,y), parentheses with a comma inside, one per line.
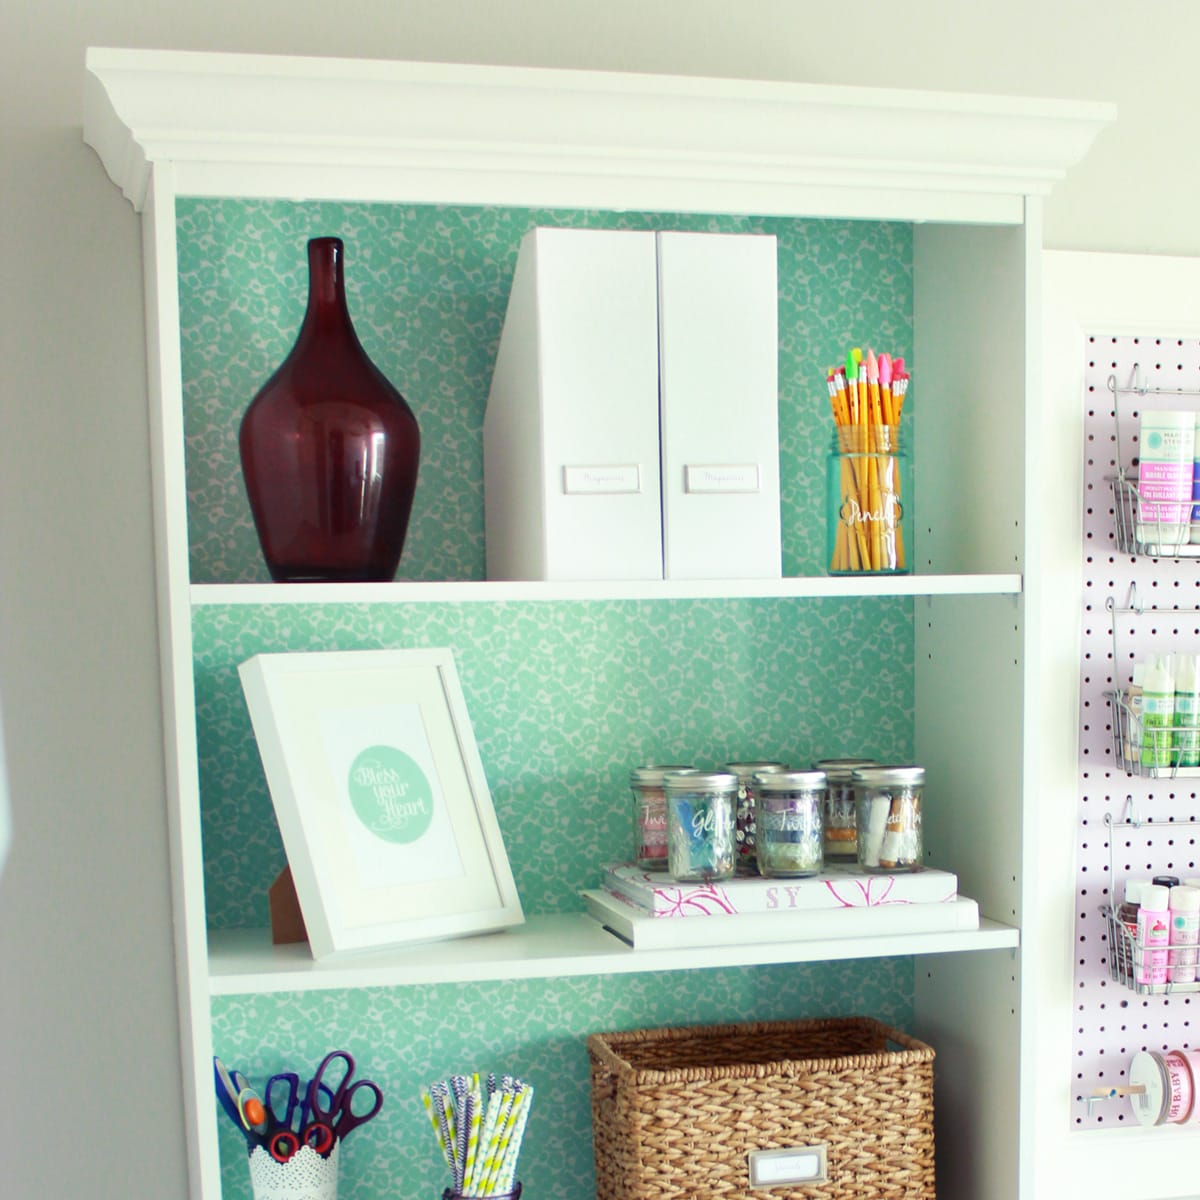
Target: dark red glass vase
(329,447)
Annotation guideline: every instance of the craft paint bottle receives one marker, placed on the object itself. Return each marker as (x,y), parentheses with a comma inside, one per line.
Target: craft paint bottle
(1187,711)
(1195,538)
(1132,747)
(1158,712)
(1166,458)
(1153,935)
(1185,933)
(1127,916)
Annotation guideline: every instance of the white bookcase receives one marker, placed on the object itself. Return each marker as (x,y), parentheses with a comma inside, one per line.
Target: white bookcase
(969,172)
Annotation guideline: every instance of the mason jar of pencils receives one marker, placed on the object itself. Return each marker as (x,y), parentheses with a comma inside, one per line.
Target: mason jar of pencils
(869,477)
(869,488)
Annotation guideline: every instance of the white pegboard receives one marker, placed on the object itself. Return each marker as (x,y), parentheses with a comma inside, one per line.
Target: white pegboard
(1112,1022)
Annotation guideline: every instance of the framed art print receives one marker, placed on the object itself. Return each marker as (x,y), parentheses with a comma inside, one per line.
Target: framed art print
(380,795)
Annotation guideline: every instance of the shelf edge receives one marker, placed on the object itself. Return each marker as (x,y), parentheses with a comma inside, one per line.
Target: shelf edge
(492,592)
(583,948)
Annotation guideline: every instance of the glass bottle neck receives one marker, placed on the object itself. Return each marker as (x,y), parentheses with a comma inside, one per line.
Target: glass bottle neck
(326,285)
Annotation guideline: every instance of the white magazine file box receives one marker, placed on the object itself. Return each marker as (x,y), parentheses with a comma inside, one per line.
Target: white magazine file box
(719,398)
(571,460)
(632,425)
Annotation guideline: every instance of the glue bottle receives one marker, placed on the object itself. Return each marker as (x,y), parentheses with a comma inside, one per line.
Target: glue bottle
(1153,935)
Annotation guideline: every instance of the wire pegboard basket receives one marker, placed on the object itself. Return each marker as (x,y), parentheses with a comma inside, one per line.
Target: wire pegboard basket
(1149,539)
(1135,534)
(1153,753)
(1129,962)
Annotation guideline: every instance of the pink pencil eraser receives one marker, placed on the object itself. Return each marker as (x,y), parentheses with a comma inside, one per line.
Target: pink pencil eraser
(885,369)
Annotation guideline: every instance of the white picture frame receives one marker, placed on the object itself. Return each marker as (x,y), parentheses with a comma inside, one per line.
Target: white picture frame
(381,798)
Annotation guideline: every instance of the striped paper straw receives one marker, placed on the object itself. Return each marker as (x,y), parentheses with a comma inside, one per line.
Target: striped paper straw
(427,1101)
(500,1137)
(441,1092)
(508,1171)
(487,1140)
(474,1105)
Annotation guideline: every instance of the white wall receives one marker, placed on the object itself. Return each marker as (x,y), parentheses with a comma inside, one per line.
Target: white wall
(87,1018)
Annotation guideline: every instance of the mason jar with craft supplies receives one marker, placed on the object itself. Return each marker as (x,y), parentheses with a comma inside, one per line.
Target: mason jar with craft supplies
(869,485)
(840,824)
(789,813)
(650,813)
(745,772)
(888,816)
(701,825)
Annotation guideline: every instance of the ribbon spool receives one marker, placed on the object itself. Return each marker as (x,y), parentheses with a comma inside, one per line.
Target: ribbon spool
(1166,1087)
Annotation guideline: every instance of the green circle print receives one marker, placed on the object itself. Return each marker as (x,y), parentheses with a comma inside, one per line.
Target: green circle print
(390,794)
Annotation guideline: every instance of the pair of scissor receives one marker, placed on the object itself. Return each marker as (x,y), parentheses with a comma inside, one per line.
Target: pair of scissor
(336,1119)
(286,1134)
(240,1102)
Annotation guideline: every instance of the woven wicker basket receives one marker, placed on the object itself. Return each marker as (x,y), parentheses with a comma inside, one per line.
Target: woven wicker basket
(677,1112)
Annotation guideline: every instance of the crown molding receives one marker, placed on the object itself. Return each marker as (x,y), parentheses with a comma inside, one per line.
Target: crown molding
(257,125)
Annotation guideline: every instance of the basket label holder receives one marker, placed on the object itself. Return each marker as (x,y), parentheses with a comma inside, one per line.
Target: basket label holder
(791,1165)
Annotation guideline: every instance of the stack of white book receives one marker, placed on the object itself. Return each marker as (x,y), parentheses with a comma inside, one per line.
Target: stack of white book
(650,910)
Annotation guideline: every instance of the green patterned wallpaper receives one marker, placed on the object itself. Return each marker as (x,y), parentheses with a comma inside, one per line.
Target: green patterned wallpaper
(535,1029)
(427,288)
(564,698)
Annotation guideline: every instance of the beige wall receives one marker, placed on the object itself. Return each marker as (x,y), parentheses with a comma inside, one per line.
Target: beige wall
(87,1019)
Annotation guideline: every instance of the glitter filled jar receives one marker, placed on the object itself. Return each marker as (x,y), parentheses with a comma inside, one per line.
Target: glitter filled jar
(701,825)
(650,813)
(888,815)
(841,823)
(790,812)
(745,772)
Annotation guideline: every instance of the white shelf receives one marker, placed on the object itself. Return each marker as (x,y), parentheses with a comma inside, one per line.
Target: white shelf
(969,171)
(815,586)
(244,961)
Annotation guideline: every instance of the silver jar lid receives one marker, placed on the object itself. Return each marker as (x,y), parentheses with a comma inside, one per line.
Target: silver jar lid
(840,770)
(879,776)
(751,767)
(699,781)
(791,781)
(652,773)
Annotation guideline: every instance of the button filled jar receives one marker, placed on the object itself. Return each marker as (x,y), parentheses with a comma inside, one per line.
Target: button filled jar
(701,825)
(790,816)
(650,813)
(745,772)
(888,816)
(841,822)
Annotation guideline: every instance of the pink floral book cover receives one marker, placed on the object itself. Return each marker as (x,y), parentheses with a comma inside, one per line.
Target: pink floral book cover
(655,892)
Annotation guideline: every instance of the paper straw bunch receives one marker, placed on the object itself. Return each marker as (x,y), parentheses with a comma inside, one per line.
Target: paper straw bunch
(867,398)
(479,1136)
